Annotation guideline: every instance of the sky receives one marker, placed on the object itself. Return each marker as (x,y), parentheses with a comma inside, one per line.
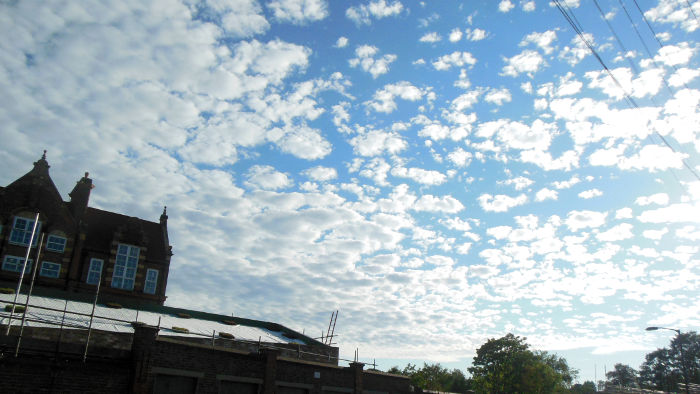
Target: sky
(440,172)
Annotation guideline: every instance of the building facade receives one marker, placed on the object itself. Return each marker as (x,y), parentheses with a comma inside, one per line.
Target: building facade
(81,246)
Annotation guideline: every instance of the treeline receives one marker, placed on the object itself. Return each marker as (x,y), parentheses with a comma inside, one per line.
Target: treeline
(508,365)
(663,369)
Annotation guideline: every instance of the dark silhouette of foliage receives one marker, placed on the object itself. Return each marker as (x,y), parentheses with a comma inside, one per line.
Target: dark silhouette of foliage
(506,365)
(663,368)
(622,375)
(588,387)
(434,377)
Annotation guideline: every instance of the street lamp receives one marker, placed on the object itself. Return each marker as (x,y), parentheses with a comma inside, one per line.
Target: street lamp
(680,343)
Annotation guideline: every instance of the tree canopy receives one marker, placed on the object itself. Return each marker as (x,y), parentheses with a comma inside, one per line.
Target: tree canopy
(622,375)
(434,377)
(506,365)
(663,368)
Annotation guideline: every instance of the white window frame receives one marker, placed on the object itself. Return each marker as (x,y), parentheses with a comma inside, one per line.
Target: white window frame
(25,233)
(94,271)
(15,266)
(151,283)
(125,266)
(51,242)
(52,272)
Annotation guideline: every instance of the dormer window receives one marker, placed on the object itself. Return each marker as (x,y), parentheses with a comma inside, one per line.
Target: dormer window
(125,267)
(56,243)
(22,231)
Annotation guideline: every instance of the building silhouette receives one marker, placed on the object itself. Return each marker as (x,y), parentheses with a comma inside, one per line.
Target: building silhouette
(81,245)
(69,335)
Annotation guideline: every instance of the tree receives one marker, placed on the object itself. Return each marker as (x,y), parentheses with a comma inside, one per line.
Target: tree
(588,387)
(663,368)
(622,375)
(657,371)
(506,365)
(434,377)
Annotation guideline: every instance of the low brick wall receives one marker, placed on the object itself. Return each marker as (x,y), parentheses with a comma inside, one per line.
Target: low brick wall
(157,364)
(38,369)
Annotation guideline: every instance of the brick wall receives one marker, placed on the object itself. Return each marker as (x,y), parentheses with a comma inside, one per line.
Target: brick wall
(46,372)
(153,363)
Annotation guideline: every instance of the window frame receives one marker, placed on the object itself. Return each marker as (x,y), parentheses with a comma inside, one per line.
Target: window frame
(126,265)
(49,242)
(58,270)
(26,232)
(150,285)
(94,261)
(18,264)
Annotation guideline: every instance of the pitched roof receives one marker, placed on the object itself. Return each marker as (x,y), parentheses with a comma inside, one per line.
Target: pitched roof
(103,225)
(35,189)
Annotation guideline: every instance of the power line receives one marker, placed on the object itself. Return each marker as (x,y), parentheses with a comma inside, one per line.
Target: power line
(631,102)
(653,32)
(646,48)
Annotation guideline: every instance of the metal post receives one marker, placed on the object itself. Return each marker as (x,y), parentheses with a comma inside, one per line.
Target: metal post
(213,337)
(31,288)
(21,274)
(92,316)
(60,331)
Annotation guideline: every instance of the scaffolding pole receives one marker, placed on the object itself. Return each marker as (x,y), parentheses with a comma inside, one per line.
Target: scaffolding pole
(21,274)
(29,294)
(92,316)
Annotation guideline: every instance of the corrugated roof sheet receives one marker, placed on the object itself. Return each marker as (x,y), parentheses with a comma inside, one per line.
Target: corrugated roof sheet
(48,312)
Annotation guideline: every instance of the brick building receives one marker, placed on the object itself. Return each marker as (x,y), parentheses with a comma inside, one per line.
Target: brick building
(81,245)
(58,340)
(162,349)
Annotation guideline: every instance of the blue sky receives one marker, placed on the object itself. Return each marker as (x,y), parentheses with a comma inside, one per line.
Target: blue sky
(442,172)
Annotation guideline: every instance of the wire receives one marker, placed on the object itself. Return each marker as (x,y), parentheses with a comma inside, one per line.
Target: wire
(617,38)
(690,7)
(579,30)
(646,48)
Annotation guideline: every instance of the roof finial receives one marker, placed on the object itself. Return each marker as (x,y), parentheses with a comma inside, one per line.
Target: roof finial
(164,216)
(44,155)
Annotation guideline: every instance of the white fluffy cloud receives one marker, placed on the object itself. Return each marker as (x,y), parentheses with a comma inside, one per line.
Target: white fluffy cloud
(498,96)
(617,233)
(500,202)
(458,59)
(517,135)
(376,142)
(298,11)
(577,220)
(527,61)
(505,6)
(267,178)
(674,12)
(546,194)
(591,193)
(376,9)
(321,174)
(476,34)
(543,40)
(430,203)
(658,199)
(384,99)
(342,42)
(455,35)
(460,157)
(365,59)
(419,175)
(430,37)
